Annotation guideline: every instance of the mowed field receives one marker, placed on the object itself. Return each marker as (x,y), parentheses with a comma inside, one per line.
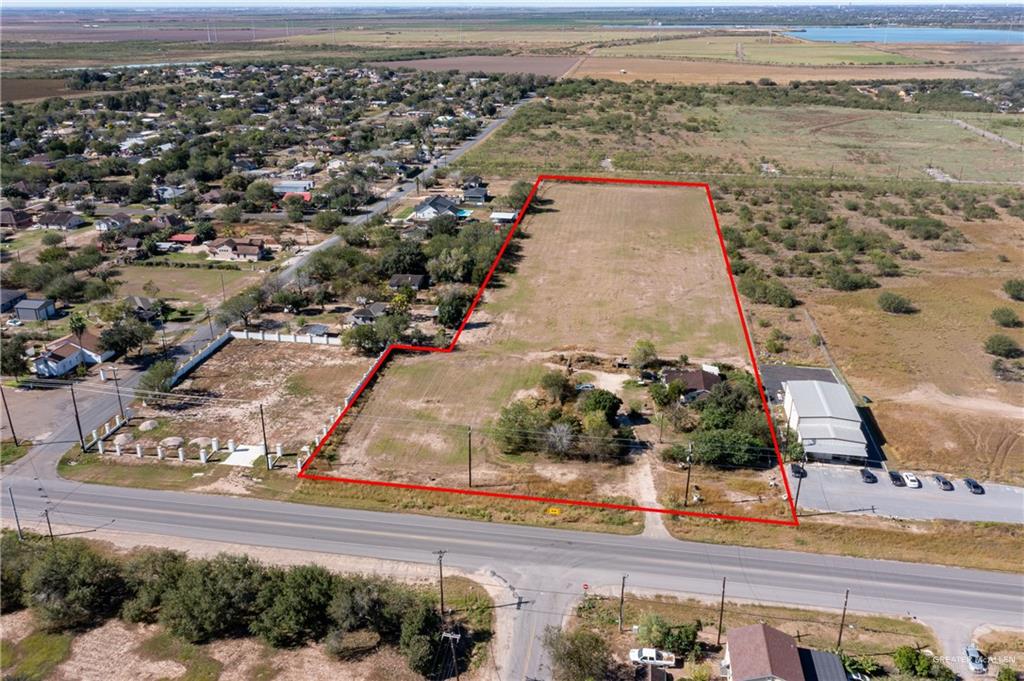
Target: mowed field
(191,285)
(629,69)
(759,49)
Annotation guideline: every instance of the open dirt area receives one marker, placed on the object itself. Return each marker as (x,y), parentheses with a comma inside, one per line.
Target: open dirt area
(705,73)
(300,387)
(541,65)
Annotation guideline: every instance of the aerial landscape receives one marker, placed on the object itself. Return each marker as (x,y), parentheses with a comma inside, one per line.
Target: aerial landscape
(509,341)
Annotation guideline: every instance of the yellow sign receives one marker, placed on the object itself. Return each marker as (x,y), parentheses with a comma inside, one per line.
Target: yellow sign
(554,511)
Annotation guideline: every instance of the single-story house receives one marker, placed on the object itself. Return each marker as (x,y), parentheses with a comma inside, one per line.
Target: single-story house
(165,193)
(59,220)
(236,249)
(473,181)
(65,354)
(130,244)
(825,420)
(34,309)
(433,207)
(292,186)
(503,217)
(145,309)
(184,239)
(760,653)
(368,314)
(696,382)
(9,297)
(15,219)
(313,330)
(112,223)
(169,221)
(416,282)
(476,196)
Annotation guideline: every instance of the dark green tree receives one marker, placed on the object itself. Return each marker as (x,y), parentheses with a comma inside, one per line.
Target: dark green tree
(71,586)
(293,606)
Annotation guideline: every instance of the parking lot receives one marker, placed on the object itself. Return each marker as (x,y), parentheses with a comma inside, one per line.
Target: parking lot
(831,487)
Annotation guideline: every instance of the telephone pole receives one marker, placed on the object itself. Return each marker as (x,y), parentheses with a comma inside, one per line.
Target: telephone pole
(440,573)
(49,527)
(266,447)
(689,467)
(721,615)
(7,411)
(622,602)
(78,421)
(17,521)
(842,621)
(117,389)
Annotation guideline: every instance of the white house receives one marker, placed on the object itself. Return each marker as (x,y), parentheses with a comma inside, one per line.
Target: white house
(67,353)
(825,420)
(430,208)
(113,223)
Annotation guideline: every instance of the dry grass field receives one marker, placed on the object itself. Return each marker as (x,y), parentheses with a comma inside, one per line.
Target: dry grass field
(544,65)
(758,49)
(629,69)
(192,285)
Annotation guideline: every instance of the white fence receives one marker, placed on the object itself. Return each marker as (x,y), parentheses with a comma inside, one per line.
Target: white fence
(278,337)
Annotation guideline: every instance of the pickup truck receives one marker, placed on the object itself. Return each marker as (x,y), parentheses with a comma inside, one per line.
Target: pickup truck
(651,656)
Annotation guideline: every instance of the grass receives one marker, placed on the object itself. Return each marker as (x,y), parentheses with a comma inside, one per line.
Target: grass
(198,665)
(36,656)
(10,452)
(187,284)
(758,49)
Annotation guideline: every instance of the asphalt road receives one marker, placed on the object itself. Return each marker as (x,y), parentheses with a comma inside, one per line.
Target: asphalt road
(829,487)
(546,567)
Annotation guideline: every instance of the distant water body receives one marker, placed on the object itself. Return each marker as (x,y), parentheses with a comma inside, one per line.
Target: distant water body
(907,34)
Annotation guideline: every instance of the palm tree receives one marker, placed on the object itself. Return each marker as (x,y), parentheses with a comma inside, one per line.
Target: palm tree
(77,324)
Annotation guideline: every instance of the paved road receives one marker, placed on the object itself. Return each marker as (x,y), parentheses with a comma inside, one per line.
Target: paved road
(547,567)
(829,487)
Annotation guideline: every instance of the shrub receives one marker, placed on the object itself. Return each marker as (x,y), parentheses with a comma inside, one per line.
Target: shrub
(1002,346)
(643,355)
(150,575)
(351,645)
(1014,288)
(894,303)
(1005,317)
(293,606)
(18,559)
(556,385)
(213,599)
(603,401)
(760,289)
(1007,674)
(158,376)
(575,655)
(71,586)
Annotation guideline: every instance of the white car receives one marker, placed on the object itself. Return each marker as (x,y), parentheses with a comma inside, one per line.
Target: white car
(14,321)
(911,480)
(653,657)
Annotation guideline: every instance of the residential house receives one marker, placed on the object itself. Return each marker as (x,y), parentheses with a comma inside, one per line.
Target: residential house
(313,330)
(368,314)
(62,220)
(144,309)
(130,244)
(249,249)
(696,382)
(65,354)
(168,222)
(184,239)
(760,653)
(473,182)
(826,421)
(15,219)
(433,207)
(292,186)
(503,217)
(165,193)
(34,309)
(10,297)
(416,282)
(113,223)
(476,196)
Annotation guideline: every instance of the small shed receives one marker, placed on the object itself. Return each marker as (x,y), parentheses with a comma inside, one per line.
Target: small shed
(35,309)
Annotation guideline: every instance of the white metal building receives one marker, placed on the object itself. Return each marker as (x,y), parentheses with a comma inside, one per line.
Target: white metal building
(825,420)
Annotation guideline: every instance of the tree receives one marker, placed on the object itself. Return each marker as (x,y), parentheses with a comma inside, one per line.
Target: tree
(518,194)
(1007,674)
(519,427)
(656,632)
(19,557)
(894,303)
(294,206)
(560,438)
(71,586)
(580,655)
(1006,318)
(12,359)
(204,231)
(157,377)
(238,308)
(1001,345)
(643,355)
(261,195)
(293,606)
(365,339)
(404,257)
(911,661)
(77,326)
(150,575)
(327,221)
(451,308)
(52,238)
(1014,288)
(213,598)
(602,401)
(725,446)
(556,385)
(419,640)
(125,335)
(229,214)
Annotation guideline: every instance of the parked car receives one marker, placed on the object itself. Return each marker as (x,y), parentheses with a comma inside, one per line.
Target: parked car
(653,657)
(798,470)
(975,660)
(896,479)
(856,676)
(867,476)
(14,321)
(911,480)
(944,484)
(584,387)
(973,486)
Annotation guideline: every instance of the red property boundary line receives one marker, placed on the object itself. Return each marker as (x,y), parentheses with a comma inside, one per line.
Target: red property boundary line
(792,522)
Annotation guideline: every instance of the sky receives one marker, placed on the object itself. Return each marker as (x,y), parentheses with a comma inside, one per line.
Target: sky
(466,4)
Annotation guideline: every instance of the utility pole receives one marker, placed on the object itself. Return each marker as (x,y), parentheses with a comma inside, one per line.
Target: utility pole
(266,447)
(721,615)
(49,527)
(842,621)
(799,482)
(223,291)
(689,467)
(452,638)
(7,410)
(117,389)
(440,573)
(17,521)
(209,320)
(78,421)
(469,445)
(622,602)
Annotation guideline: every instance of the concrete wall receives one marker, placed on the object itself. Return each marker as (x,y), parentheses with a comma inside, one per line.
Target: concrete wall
(199,357)
(277,337)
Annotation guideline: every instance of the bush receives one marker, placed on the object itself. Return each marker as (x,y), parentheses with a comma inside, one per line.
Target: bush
(760,289)
(213,599)
(419,640)
(576,655)
(1014,288)
(894,303)
(158,376)
(71,586)
(293,606)
(1005,317)
(1002,346)
(1007,674)
(911,661)
(351,645)
(150,575)
(18,558)
(643,355)
(603,401)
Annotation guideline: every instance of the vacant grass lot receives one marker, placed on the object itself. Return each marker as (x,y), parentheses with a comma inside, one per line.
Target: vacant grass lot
(759,49)
(185,283)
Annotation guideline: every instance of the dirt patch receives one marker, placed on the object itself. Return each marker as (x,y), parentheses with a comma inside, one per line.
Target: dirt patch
(17,625)
(109,652)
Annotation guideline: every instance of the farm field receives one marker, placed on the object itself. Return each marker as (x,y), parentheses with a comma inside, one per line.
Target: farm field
(759,49)
(601,135)
(705,73)
(544,65)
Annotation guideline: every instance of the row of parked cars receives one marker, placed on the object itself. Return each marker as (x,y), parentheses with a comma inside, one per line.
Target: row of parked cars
(902,479)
